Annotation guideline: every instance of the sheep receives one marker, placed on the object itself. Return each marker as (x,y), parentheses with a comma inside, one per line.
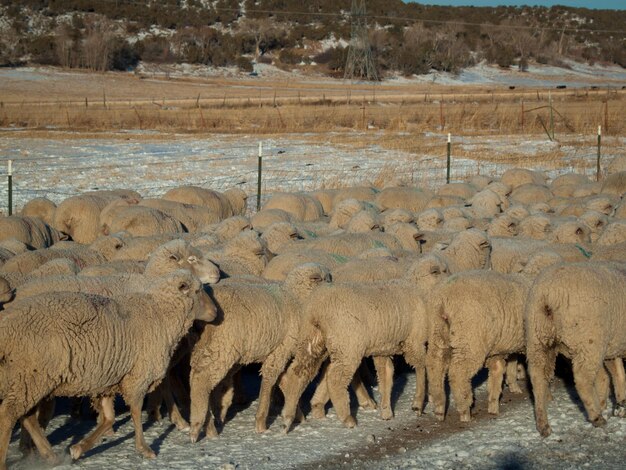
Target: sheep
(506,253)
(478,317)
(485,203)
(515,177)
(531,194)
(350,321)
(230,202)
(172,256)
(10,248)
(596,221)
(227,228)
(325,197)
(503,226)
(115,193)
(79,216)
(31,231)
(462,190)
(604,204)
(586,190)
(279,266)
(372,268)
(540,208)
(439,202)
(467,250)
(480,182)
(135,334)
(615,184)
(40,207)
(114,267)
(578,310)
(614,252)
(360,193)
(140,221)
(537,262)
(266,217)
(501,189)
(246,253)
(139,248)
(620,210)
(412,199)
(430,219)
(280,236)
(518,212)
(191,216)
(258,323)
(615,232)
(300,206)
(571,231)
(6,292)
(456,224)
(535,226)
(346,209)
(363,222)
(395,216)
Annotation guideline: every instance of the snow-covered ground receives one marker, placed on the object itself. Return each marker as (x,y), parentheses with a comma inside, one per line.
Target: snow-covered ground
(154,163)
(506,441)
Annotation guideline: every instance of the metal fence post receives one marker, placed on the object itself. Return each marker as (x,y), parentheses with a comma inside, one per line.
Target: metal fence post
(448,160)
(599,153)
(258,191)
(10,178)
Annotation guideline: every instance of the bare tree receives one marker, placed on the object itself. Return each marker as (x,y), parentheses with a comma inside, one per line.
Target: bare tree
(97,46)
(262,30)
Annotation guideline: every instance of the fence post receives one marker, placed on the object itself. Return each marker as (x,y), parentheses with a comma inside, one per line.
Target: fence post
(551,115)
(599,146)
(448,160)
(10,178)
(258,191)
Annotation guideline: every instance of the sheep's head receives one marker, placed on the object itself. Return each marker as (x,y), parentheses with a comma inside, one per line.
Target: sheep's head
(541,208)
(14,246)
(427,271)
(280,234)
(596,221)
(430,219)
(302,279)
(614,233)
(409,235)
(601,204)
(229,228)
(470,249)
(184,285)
(108,246)
(394,216)
(6,293)
(238,199)
(362,222)
(535,226)
(537,262)
(573,231)
(517,212)
(178,254)
(344,211)
(248,245)
(503,226)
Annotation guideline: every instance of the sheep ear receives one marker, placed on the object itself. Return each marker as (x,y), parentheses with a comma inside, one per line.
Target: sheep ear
(579,231)
(174,257)
(192,259)
(184,287)
(105,229)
(435,270)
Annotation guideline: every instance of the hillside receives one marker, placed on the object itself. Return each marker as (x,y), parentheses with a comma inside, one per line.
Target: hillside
(406,38)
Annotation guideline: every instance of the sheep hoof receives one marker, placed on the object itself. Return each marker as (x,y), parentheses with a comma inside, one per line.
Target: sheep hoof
(260,428)
(386,414)
(211,430)
(181,424)
(154,416)
(76,451)
(369,405)
(598,422)
(350,422)
(620,411)
(493,409)
(318,412)
(464,416)
(545,430)
(515,388)
(147,453)
(440,416)
(417,407)
(194,433)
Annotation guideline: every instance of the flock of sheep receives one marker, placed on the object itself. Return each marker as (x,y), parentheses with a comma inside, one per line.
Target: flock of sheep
(166,299)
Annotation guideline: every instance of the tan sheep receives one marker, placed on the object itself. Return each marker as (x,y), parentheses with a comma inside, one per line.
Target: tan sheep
(578,310)
(430,219)
(615,232)
(326,198)
(615,184)
(518,176)
(280,236)
(485,203)
(31,231)
(231,202)
(40,207)
(300,206)
(596,221)
(360,193)
(79,216)
(246,253)
(412,199)
(279,266)
(503,226)
(266,217)
(462,190)
(191,216)
(478,318)
(468,250)
(568,179)
(531,194)
(257,323)
(346,209)
(480,182)
(396,215)
(140,221)
(538,227)
(440,202)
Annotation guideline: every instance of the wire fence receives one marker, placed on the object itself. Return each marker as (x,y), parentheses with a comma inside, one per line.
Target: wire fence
(61,169)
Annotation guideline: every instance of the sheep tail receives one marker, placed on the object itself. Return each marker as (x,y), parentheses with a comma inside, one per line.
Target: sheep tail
(540,313)
(440,333)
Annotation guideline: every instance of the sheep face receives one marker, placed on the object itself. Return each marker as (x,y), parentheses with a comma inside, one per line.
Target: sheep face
(428,271)
(6,293)
(184,285)
(304,278)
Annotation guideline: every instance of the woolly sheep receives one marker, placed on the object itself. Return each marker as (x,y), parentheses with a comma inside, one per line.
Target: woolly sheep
(326,198)
(351,321)
(228,228)
(578,310)
(300,206)
(518,212)
(370,269)
(571,231)
(614,252)
(396,215)
(569,179)
(79,216)
(191,216)
(539,261)
(140,221)
(538,227)
(430,219)
(246,253)
(480,182)
(363,222)
(258,323)
(586,190)
(114,267)
(266,217)
(531,194)
(230,202)
(360,193)
(412,199)
(24,263)
(470,249)
(115,193)
(462,190)
(620,211)
(135,334)
(139,248)
(439,202)
(615,232)
(506,253)
(565,190)
(40,207)
(279,266)
(10,248)
(457,224)
(485,203)
(280,236)
(596,221)
(31,231)
(345,210)
(503,226)
(518,176)
(478,318)
(615,184)
(540,208)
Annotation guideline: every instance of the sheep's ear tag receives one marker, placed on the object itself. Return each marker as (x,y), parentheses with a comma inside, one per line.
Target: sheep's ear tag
(192,259)
(183,287)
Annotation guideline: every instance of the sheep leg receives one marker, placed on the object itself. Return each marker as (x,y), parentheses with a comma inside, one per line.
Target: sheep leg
(107,418)
(271,369)
(292,384)
(437,363)
(45,411)
(154,402)
(602,386)
(30,423)
(8,418)
(511,376)
(203,382)
(384,370)
(321,396)
(616,369)
(362,395)
(586,372)
(223,395)
(340,373)
(497,367)
(416,358)
(141,445)
(541,363)
(464,364)
(175,416)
